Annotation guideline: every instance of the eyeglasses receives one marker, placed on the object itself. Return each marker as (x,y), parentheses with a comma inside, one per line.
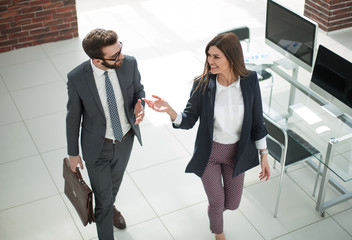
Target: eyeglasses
(118,54)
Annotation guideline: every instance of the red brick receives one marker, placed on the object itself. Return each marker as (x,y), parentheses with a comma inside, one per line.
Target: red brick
(22,22)
(22,45)
(8,42)
(23,16)
(32,9)
(4,26)
(65,9)
(42,19)
(5,49)
(74,24)
(52,22)
(45,13)
(3,8)
(39,31)
(4,38)
(10,13)
(18,6)
(63,15)
(32,26)
(60,27)
(340,16)
(5,2)
(15,2)
(10,30)
(51,5)
(38,2)
(19,34)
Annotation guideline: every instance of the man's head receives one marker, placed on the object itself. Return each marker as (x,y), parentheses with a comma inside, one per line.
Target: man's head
(103,47)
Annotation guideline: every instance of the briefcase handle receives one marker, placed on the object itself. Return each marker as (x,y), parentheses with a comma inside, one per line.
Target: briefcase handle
(79,176)
(77,173)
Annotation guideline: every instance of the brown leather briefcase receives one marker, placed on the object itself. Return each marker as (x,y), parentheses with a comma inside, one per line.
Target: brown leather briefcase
(78,192)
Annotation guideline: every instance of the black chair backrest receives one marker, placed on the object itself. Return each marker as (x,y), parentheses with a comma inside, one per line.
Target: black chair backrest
(241,32)
(275,131)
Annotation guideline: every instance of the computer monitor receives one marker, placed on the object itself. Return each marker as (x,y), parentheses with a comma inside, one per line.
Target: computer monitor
(291,34)
(332,79)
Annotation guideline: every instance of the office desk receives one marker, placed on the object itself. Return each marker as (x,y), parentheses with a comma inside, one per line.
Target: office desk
(294,106)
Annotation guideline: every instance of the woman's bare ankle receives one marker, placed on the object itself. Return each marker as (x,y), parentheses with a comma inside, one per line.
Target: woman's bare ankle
(220,236)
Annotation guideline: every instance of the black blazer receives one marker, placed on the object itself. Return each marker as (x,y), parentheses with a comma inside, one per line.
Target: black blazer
(201,105)
(85,111)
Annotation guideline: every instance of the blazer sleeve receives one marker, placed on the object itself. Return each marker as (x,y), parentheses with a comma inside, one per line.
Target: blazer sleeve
(138,86)
(258,128)
(191,112)
(73,118)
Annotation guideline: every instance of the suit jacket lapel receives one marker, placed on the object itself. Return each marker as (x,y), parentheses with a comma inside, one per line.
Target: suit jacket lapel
(211,98)
(88,74)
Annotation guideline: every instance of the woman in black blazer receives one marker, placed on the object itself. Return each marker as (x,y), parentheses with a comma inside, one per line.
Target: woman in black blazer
(227,100)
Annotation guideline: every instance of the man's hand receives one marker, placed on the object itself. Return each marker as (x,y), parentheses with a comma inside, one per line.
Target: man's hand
(139,112)
(74,161)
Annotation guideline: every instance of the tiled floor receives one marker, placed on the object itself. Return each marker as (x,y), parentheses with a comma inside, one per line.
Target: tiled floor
(158,199)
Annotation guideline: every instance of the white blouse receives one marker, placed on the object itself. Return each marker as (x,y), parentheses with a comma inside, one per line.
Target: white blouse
(228,115)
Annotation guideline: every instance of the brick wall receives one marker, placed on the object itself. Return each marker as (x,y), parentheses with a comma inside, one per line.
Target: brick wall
(329,14)
(25,23)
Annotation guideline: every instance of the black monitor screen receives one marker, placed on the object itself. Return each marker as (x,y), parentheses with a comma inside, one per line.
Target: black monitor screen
(333,74)
(290,32)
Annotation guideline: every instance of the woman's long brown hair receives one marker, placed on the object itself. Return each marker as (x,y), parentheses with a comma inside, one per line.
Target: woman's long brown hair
(230,45)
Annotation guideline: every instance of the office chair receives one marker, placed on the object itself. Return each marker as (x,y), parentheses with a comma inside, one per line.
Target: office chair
(243,35)
(288,148)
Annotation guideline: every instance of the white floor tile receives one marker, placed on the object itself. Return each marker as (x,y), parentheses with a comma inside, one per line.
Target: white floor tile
(3,88)
(152,229)
(168,188)
(159,146)
(344,219)
(49,98)
(296,208)
(132,203)
(66,62)
(48,132)
(40,220)
(29,74)
(186,137)
(23,181)
(7,106)
(62,47)
(236,226)
(22,55)
(189,223)
(15,142)
(54,162)
(305,179)
(323,230)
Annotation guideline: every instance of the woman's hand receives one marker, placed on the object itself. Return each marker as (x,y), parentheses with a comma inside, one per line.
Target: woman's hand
(161,105)
(265,173)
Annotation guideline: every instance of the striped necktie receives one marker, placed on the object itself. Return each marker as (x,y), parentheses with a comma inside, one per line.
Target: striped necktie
(114,114)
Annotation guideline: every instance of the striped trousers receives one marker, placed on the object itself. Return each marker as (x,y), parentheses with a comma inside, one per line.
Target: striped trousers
(223,191)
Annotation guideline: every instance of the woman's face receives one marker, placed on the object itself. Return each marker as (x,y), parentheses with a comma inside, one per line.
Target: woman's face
(217,61)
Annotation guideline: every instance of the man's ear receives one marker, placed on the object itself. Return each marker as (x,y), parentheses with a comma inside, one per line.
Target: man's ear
(96,61)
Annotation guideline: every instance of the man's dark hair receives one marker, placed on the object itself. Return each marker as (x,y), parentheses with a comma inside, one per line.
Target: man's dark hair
(96,39)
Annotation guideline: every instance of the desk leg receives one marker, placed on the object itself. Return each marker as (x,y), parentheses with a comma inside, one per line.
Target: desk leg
(325,179)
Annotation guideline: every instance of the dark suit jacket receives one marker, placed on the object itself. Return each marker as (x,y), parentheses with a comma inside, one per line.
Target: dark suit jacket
(202,106)
(84,107)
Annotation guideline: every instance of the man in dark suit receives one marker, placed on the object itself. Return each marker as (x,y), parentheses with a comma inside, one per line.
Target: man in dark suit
(104,109)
